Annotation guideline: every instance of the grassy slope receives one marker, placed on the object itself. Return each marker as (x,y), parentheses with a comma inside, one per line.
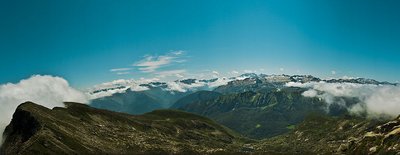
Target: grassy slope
(81,129)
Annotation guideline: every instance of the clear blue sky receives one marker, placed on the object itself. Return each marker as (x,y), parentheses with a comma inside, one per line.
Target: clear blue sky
(82,40)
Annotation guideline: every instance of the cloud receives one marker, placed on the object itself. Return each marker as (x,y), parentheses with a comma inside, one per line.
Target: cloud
(122,73)
(177,73)
(234,72)
(197,85)
(215,72)
(48,91)
(151,63)
(219,82)
(333,72)
(120,69)
(281,69)
(249,71)
(375,100)
(118,86)
(179,52)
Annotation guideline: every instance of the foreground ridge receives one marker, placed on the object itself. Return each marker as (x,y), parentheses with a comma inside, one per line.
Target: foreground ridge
(80,129)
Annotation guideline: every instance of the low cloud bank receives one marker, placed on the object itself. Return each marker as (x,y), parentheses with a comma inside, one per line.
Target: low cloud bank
(48,91)
(375,100)
(122,85)
(197,85)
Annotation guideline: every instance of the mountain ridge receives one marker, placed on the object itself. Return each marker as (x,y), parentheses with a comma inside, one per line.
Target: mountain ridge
(80,129)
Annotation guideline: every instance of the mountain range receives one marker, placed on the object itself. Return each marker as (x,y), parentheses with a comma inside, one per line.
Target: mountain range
(255,105)
(250,113)
(140,96)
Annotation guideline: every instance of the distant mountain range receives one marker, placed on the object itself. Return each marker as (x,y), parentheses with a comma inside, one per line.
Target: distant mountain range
(255,105)
(257,81)
(140,96)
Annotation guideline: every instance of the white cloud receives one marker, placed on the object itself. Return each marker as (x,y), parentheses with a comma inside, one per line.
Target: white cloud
(120,69)
(215,72)
(234,72)
(281,69)
(152,63)
(179,76)
(180,61)
(48,91)
(375,100)
(122,73)
(197,85)
(177,73)
(137,87)
(249,71)
(219,82)
(118,86)
(348,77)
(174,86)
(310,93)
(333,72)
(179,52)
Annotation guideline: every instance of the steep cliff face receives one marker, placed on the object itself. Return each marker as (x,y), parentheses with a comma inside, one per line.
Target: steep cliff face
(80,129)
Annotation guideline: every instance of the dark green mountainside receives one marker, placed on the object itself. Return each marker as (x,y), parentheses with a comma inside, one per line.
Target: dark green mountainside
(259,114)
(129,102)
(196,97)
(138,102)
(80,129)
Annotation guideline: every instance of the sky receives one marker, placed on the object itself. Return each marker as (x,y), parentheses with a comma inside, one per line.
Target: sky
(93,41)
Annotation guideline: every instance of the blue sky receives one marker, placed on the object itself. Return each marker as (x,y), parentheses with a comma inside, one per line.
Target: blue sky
(83,41)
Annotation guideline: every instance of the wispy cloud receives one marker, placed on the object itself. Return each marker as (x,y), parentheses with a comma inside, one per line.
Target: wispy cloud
(249,71)
(215,72)
(234,72)
(152,63)
(120,69)
(177,73)
(179,52)
(122,73)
